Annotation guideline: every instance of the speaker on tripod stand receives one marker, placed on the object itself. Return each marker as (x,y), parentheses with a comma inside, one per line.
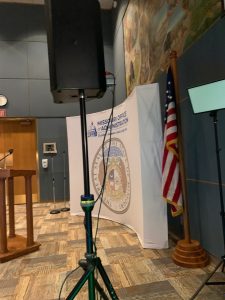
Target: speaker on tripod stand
(75,49)
(77,72)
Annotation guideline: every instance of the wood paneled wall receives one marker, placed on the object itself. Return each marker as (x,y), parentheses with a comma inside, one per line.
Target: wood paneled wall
(20,135)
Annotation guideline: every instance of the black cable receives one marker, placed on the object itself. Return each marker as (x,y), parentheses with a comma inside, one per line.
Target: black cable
(65,279)
(105,165)
(105,168)
(103,143)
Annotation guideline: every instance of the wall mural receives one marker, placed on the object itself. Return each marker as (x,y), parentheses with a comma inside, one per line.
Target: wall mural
(152,28)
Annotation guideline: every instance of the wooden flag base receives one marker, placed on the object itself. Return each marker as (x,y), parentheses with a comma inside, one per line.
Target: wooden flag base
(190,255)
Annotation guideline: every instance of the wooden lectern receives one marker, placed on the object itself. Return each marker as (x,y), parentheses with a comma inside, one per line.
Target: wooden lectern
(15,245)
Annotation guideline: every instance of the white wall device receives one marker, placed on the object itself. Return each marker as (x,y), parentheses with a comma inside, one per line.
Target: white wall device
(44,163)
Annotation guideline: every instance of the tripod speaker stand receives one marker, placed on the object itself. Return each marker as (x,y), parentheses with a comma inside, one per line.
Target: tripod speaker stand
(91,261)
(213,114)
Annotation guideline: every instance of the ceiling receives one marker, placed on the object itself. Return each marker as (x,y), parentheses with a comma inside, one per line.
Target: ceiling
(105,4)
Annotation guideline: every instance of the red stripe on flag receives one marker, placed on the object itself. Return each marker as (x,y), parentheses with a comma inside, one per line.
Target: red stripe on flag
(177,191)
(169,177)
(171,136)
(171,111)
(171,123)
(165,154)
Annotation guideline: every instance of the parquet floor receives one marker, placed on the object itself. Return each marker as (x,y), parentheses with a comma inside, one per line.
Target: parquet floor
(135,273)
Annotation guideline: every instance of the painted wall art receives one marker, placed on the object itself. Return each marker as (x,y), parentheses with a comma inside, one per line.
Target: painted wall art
(152,28)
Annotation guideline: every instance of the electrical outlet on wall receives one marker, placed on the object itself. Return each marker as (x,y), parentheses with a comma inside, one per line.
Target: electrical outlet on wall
(44,163)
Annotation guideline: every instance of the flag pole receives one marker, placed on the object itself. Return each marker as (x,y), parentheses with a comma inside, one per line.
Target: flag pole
(188,253)
(173,64)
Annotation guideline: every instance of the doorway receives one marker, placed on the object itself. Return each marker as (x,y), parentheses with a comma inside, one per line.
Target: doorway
(20,137)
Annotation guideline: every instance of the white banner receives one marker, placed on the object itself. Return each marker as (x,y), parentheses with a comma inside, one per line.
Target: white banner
(132,193)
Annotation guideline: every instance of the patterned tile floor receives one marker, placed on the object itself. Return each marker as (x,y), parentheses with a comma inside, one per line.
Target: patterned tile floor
(135,273)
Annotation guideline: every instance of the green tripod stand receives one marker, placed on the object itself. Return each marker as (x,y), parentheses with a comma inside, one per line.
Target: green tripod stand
(91,261)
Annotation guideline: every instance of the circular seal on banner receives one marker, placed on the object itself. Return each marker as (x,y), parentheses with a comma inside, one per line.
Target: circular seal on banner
(117,185)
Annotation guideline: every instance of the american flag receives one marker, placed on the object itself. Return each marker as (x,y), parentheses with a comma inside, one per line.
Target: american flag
(171,180)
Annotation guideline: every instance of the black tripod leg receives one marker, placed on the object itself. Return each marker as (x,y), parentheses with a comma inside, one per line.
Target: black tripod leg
(206,280)
(100,291)
(80,284)
(106,280)
(223,266)
(91,286)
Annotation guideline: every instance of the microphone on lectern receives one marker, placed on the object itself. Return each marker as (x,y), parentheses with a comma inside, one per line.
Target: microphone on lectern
(10,151)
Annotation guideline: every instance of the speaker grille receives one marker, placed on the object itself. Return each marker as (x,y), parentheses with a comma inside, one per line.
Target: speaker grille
(75,48)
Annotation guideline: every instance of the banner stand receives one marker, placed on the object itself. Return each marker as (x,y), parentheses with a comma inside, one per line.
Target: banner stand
(132,193)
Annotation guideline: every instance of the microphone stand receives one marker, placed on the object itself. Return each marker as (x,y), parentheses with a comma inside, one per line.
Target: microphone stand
(64,183)
(54,210)
(213,114)
(91,262)
(4,157)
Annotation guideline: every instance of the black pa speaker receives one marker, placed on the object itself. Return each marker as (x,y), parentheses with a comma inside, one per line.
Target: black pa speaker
(75,48)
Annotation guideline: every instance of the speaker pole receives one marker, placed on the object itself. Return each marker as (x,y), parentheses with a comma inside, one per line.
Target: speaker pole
(91,261)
